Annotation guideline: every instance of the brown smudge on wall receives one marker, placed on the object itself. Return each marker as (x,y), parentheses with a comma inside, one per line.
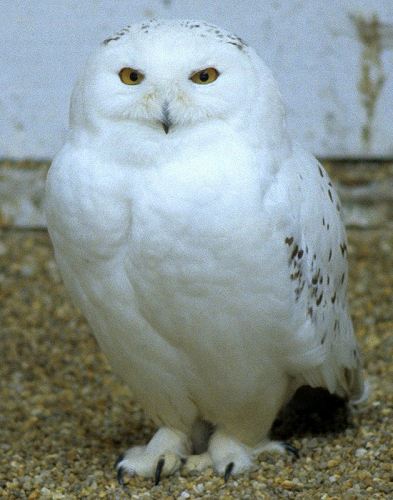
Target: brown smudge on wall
(372,77)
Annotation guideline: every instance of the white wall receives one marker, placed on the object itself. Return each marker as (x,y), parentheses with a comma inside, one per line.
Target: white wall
(328,56)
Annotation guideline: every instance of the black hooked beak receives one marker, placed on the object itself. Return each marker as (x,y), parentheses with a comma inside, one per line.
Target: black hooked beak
(166,119)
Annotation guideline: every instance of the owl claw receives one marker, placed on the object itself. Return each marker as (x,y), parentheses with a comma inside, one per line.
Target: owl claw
(119,459)
(157,475)
(228,470)
(120,475)
(292,449)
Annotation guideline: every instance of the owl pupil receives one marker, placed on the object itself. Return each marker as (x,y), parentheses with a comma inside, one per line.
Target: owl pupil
(134,76)
(203,76)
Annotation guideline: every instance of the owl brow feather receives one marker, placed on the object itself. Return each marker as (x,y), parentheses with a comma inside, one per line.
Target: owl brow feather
(201,26)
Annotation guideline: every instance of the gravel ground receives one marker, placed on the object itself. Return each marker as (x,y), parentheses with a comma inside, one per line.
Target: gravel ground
(64,418)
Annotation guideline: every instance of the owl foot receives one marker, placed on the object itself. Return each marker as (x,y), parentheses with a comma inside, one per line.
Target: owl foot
(162,456)
(280,447)
(230,457)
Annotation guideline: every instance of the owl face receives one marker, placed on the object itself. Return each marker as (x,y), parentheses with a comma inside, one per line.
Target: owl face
(167,76)
(153,84)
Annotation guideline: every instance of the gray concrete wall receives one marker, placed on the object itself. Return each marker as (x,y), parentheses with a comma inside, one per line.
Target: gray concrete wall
(333,60)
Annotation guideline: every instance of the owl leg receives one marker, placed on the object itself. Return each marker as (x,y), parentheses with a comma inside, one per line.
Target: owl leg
(162,456)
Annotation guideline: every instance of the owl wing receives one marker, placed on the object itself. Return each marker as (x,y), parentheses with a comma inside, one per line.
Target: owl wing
(326,352)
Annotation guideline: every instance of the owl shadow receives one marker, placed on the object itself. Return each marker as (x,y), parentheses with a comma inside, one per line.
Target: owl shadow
(311,411)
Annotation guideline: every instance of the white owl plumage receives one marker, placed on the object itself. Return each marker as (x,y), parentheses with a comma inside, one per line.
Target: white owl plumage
(205,249)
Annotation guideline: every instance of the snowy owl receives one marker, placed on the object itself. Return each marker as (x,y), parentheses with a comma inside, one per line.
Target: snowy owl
(204,247)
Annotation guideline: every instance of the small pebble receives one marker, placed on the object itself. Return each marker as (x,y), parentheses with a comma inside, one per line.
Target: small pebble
(3,249)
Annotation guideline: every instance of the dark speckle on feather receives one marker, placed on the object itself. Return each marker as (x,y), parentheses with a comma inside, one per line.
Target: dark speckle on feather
(238,45)
(107,40)
(294,252)
(299,290)
(119,34)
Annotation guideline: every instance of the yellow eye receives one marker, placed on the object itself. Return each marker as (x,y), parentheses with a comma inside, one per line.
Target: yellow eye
(131,76)
(204,76)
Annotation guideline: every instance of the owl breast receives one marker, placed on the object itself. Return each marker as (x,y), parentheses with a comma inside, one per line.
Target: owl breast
(188,239)
(200,247)
(190,216)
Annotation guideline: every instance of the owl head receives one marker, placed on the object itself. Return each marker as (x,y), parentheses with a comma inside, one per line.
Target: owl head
(163,79)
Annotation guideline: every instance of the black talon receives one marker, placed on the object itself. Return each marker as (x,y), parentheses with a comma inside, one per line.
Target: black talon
(160,466)
(119,459)
(292,449)
(120,475)
(228,470)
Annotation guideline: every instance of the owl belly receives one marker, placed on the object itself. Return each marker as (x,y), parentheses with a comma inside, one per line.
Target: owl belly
(205,278)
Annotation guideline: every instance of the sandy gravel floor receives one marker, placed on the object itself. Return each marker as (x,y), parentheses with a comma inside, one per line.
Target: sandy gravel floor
(64,418)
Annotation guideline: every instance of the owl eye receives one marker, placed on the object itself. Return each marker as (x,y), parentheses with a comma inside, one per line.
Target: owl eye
(204,76)
(131,76)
